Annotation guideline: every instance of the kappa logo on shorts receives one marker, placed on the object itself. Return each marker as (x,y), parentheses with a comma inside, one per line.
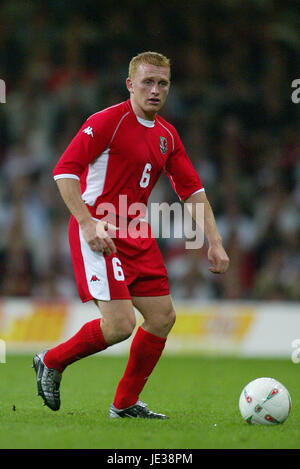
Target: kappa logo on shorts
(94,278)
(163,145)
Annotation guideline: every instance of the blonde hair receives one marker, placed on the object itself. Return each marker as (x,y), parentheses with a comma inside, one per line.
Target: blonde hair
(152,58)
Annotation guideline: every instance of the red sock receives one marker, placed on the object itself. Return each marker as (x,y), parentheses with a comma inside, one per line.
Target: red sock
(146,348)
(88,340)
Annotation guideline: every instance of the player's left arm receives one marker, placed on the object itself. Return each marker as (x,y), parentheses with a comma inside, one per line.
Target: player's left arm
(216,253)
(188,186)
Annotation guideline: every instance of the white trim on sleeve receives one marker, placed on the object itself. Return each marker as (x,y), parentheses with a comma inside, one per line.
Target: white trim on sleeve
(66,176)
(200,190)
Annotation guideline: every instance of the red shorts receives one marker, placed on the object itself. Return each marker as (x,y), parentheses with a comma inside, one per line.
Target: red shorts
(137,268)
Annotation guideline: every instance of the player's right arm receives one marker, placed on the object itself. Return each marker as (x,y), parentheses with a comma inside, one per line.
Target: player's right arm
(90,142)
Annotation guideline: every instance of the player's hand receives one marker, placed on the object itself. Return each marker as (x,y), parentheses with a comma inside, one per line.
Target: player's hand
(218,258)
(96,234)
(102,230)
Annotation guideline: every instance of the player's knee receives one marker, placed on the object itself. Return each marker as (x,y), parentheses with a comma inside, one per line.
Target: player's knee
(166,320)
(125,327)
(170,318)
(118,326)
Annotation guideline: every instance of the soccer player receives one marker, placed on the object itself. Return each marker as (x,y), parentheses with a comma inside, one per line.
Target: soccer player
(121,151)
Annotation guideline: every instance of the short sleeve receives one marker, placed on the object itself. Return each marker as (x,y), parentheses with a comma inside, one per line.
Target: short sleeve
(87,145)
(181,172)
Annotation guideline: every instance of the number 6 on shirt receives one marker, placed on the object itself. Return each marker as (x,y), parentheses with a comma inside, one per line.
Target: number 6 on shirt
(118,271)
(146,175)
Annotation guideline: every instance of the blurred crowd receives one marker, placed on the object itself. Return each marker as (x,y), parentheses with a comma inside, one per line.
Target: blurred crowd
(233,63)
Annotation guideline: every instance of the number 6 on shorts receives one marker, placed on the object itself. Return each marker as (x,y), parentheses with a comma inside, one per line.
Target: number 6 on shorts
(118,271)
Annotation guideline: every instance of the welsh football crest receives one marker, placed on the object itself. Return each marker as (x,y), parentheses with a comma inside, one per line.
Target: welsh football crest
(163,145)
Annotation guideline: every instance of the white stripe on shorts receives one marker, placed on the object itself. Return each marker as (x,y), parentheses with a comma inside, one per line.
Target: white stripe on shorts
(95,270)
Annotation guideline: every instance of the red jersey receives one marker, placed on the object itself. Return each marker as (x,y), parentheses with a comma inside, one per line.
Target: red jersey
(117,153)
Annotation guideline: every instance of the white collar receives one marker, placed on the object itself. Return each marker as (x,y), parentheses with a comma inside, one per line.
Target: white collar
(145,122)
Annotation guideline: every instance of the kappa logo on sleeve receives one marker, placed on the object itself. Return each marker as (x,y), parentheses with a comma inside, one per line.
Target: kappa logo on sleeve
(89,131)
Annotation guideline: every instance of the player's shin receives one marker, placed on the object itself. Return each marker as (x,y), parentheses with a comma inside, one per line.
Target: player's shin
(145,351)
(87,341)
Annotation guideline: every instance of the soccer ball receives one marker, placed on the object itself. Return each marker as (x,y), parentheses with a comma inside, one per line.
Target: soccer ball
(265,401)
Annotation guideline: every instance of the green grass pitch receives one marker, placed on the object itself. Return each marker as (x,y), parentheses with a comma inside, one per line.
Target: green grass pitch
(199,394)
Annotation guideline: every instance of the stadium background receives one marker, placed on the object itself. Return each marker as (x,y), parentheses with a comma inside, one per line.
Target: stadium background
(233,63)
